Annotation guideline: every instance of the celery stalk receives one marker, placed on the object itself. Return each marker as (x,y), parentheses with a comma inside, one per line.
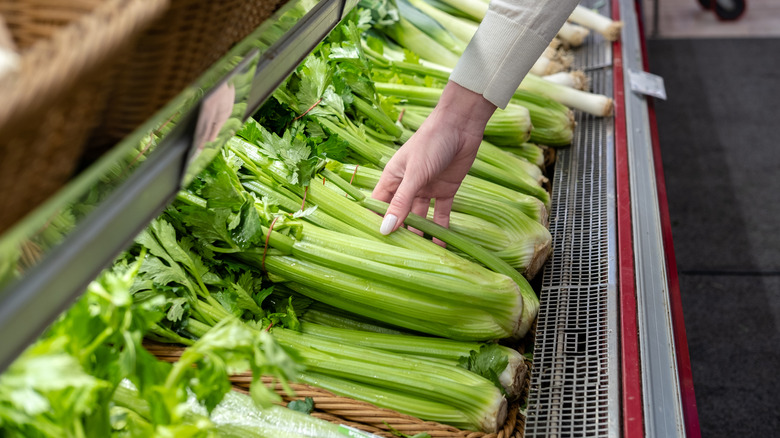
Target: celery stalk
(510,163)
(399,401)
(322,314)
(416,377)
(463,29)
(404,268)
(293,203)
(529,151)
(472,189)
(552,123)
(520,241)
(431,27)
(379,117)
(509,126)
(475,9)
(399,306)
(489,259)
(533,206)
(419,42)
(450,351)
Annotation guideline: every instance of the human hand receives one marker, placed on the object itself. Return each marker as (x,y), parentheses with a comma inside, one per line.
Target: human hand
(434,161)
(215,110)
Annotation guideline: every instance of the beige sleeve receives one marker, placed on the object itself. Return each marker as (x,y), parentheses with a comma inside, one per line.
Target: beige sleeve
(511,37)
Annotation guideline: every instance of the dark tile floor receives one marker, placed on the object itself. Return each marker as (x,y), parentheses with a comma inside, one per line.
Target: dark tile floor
(719,139)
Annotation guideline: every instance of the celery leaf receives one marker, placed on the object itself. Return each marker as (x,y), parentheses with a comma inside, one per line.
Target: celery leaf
(305,406)
(250,132)
(489,363)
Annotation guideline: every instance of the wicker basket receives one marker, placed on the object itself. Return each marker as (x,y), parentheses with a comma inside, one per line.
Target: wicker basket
(367,417)
(358,414)
(49,107)
(177,49)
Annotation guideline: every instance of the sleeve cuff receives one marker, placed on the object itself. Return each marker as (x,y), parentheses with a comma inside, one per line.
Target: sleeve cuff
(497,59)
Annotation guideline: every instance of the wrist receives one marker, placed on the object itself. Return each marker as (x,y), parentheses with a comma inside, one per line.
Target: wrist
(466,110)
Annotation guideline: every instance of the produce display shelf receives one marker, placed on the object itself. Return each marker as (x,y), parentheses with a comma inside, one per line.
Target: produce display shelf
(574,380)
(610,355)
(56,269)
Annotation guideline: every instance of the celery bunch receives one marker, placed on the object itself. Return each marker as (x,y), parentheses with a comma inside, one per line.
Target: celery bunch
(209,252)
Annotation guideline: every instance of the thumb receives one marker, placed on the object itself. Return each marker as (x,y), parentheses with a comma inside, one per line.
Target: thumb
(401,204)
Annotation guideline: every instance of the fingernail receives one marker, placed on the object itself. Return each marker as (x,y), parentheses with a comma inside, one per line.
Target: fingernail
(388,223)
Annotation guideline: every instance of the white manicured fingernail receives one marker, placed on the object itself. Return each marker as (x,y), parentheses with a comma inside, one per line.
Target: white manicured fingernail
(388,223)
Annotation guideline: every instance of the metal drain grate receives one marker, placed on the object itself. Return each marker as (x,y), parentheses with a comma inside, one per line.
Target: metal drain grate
(574,384)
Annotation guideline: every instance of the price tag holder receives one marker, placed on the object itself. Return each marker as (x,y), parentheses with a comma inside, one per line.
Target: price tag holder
(647,83)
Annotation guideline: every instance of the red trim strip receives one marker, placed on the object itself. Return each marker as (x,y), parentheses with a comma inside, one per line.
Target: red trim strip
(631,379)
(685,374)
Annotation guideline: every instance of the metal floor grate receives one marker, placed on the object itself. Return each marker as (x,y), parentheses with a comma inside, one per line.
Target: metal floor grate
(574,383)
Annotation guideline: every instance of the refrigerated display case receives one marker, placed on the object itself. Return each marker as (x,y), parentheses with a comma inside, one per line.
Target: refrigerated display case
(610,353)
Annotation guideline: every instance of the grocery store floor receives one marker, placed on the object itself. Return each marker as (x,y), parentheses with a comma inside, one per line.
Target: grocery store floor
(721,157)
(687,19)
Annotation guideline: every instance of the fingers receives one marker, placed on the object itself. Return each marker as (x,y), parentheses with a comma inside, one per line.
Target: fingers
(390,179)
(441,211)
(401,204)
(420,207)
(386,189)
(441,215)
(387,185)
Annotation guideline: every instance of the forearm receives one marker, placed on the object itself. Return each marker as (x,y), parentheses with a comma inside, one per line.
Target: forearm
(511,37)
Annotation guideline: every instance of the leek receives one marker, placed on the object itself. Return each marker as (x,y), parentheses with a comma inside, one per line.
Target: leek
(573,35)
(592,20)
(590,103)
(596,104)
(573,79)
(546,66)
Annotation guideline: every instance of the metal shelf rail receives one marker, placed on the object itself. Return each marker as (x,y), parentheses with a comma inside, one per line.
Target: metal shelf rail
(30,302)
(575,378)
